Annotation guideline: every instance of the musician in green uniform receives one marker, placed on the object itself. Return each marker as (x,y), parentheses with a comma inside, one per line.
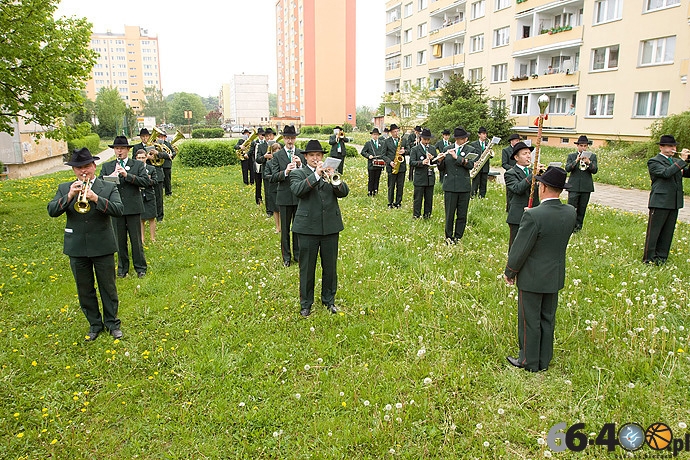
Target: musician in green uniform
(519,185)
(581,165)
(337,142)
(424,179)
(373,152)
(396,180)
(481,179)
(508,160)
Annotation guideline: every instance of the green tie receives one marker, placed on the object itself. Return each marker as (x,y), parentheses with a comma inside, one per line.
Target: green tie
(526,171)
(122,163)
(670,160)
(376,145)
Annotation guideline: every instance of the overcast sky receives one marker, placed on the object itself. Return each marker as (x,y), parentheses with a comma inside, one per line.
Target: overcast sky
(203,43)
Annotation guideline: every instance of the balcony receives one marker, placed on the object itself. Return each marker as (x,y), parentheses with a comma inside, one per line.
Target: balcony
(446,63)
(531,4)
(444,33)
(393,26)
(555,122)
(393,74)
(443,4)
(546,41)
(393,50)
(546,81)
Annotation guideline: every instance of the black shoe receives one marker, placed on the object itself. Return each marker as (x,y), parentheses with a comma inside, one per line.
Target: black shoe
(514,362)
(390,205)
(116,333)
(416,217)
(305,312)
(332,308)
(450,241)
(286,263)
(141,274)
(577,229)
(427,216)
(398,205)
(122,275)
(91,336)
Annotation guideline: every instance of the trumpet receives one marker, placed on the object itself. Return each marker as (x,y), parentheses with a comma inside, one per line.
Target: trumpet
(683,154)
(583,165)
(332,178)
(82,204)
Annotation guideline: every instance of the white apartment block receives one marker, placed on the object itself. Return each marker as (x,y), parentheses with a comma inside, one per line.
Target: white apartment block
(610,67)
(244,101)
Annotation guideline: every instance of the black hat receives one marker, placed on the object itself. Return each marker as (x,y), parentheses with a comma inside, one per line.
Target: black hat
(260,131)
(394,126)
(554,177)
(81,157)
(426,134)
(582,140)
(418,129)
(269,131)
(374,131)
(290,131)
(144,131)
(481,130)
(519,146)
(514,136)
(459,133)
(446,131)
(120,141)
(338,127)
(667,139)
(386,129)
(246,131)
(313,146)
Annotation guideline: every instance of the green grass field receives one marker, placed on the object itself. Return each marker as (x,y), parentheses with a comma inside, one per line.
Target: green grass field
(217,363)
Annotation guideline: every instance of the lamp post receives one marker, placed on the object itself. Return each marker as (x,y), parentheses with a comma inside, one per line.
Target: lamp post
(188,117)
(543,102)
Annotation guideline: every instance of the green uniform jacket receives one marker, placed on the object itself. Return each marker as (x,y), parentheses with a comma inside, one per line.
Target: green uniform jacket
(478,148)
(456,173)
(667,182)
(421,177)
(370,149)
(518,185)
(506,161)
(278,164)
(317,212)
(337,144)
(581,181)
(537,257)
(129,186)
(389,149)
(441,145)
(90,234)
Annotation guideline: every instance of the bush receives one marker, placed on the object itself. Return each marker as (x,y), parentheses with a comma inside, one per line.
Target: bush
(90,141)
(208,153)
(208,133)
(675,125)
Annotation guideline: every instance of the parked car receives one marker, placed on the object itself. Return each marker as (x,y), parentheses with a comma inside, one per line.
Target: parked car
(237,129)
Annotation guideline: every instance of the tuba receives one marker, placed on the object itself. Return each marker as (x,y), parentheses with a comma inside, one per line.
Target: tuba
(157,160)
(399,158)
(82,204)
(178,136)
(244,148)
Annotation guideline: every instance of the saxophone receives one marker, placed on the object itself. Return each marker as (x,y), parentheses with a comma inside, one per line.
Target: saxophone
(399,158)
(484,157)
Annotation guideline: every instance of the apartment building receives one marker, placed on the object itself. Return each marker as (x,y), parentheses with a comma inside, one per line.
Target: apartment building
(316,61)
(609,67)
(244,101)
(127,61)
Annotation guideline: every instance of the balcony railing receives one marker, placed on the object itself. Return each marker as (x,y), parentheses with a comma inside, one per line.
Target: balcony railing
(449,62)
(546,39)
(545,81)
(554,122)
(439,35)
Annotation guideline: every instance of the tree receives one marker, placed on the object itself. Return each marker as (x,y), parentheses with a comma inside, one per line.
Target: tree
(154,105)
(364,117)
(181,102)
(410,106)
(213,118)
(110,112)
(211,103)
(273,104)
(45,63)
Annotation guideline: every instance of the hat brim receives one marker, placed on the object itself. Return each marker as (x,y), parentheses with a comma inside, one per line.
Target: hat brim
(667,143)
(564,186)
(83,162)
(112,146)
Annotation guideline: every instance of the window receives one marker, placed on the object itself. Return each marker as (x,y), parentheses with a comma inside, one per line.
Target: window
(421,4)
(421,30)
(653,104)
(475,75)
(437,50)
(407,61)
(607,10)
(501,36)
(605,58)
(407,36)
(476,43)
(558,105)
(407,86)
(497,106)
(408,10)
(501,4)
(658,51)
(421,57)
(478,9)
(406,111)
(421,83)
(499,73)
(458,48)
(651,5)
(601,105)
(519,104)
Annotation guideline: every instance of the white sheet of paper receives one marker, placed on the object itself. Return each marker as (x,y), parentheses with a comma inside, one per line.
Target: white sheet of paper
(331,162)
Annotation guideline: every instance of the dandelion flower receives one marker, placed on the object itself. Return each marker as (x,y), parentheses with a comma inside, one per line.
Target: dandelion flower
(501,411)
(307,367)
(388,407)
(297,395)
(682,425)
(366,402)
(486,444)
(427,381)
(398,405)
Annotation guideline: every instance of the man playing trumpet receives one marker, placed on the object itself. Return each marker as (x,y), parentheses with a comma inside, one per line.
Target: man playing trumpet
(424,176)
(581,165)
(90,241)
(318,223)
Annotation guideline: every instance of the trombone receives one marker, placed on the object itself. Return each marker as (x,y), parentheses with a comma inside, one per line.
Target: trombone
(82,204)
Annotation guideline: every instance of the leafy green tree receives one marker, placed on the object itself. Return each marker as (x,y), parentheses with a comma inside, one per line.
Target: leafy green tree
(410,105)
(154,105)
(180,102)
(110,112)
(676,125)
(44,63)
(273,105)
(364,117)
(211,103)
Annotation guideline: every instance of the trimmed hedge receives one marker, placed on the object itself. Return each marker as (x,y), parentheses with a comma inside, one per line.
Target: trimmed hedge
(208,153)
(208,133)
(91,142)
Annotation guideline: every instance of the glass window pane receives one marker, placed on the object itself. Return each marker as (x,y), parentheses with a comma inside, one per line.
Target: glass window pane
(613,57)
(642,102)
(670,49)
(609,105)
(598,61)
(663,111)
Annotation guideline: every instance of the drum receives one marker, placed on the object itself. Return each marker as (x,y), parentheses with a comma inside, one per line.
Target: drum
(378,163)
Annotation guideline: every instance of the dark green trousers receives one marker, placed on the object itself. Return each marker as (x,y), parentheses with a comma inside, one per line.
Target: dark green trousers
(456,204)
(83,269)
(310,247)
(660,228)
(536,323)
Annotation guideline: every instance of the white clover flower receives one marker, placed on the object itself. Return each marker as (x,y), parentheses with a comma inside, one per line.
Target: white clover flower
(568,382)
(479,426)
(486,444)
(541,441)
(453,427)
(342,393)
(307,367)
(297,395)
(547,453)
(366,402)
(398,419)
(421,352)
(387,417)
(682,425)
(242,404)
(312,329)
(631,385)
(501,411)
(391,451)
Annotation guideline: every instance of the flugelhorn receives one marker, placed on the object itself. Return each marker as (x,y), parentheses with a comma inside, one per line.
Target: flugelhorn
(332,178)
(82,204)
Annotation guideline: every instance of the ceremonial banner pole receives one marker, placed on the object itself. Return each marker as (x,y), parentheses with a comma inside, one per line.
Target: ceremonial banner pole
(543,102)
